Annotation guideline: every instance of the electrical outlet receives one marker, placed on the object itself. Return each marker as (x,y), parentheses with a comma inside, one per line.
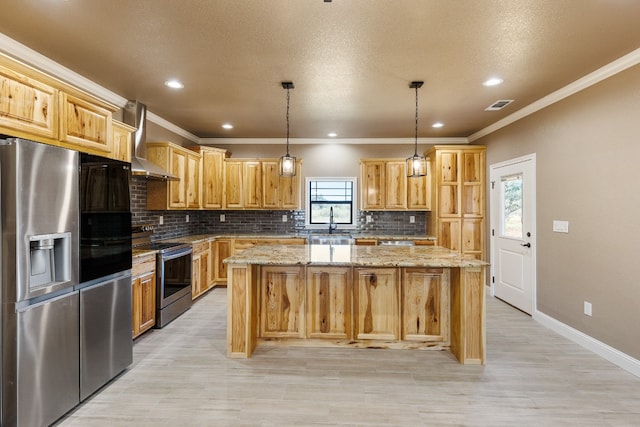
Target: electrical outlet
(560,226)
(222,218)
(186,218)
(369,219)
(160,220)
(587,308)
(284,218)
(412,219)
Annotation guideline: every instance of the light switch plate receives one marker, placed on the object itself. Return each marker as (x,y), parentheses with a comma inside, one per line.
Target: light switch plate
(222,218)
(186,218)
(587,308)
(412,219)
(284,218)
(369,218)
(560,226)
(160,220)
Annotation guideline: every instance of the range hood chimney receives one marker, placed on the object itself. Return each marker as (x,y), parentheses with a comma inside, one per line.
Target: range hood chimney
(135,114)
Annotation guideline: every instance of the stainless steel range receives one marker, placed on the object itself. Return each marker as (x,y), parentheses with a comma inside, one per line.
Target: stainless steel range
(173,274)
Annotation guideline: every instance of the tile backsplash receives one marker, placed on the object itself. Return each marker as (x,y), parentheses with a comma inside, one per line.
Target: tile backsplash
(261,221)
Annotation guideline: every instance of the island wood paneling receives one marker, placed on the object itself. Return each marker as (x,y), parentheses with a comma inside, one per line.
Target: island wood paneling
(282,302)
(329,302)
(425,304)
(376,304)
(467,315)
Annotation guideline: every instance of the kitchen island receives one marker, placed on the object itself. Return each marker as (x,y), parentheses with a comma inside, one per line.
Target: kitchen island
(401,297)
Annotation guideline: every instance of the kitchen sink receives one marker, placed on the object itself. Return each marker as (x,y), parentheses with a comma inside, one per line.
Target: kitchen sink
(330,240)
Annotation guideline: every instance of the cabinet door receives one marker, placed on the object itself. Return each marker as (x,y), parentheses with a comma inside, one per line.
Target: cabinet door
(449,233)
(329,293)
(270,185)
(223,251)
(26,105)
(233,184)
(289,190)
(419,191)
(193,181)
(395,185)
(252,184)
(282,302)
(147,301)
(121,148)
(473,237)
(376,304)
(85,125)
(373,178)
(425,303)
(196,283)
(449,185)
(473,184)
(178,189)
(212,174)
(136,306)
(205,269)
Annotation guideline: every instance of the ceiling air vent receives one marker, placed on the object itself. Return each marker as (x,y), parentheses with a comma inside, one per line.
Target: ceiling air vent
(499,105)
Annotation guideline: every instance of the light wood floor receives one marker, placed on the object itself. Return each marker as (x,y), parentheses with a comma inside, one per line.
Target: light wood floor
(533,377)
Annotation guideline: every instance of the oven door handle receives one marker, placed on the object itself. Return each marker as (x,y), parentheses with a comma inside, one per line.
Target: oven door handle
(177,254)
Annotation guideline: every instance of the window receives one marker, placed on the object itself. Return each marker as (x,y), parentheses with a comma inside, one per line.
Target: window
(325,195)
(511,216)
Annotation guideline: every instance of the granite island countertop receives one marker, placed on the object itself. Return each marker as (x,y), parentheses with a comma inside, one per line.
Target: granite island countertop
(354,255)
(199,238)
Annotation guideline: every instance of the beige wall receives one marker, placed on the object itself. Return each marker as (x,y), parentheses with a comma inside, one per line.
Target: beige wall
(587,148)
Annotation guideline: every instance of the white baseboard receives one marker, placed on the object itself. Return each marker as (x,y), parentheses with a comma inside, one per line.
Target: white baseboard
(614,356)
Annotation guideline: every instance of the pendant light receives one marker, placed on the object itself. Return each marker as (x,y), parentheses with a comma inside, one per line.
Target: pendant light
(287,162)
(416,165)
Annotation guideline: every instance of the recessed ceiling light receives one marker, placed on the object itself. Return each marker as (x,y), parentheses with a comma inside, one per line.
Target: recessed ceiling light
(493,81)
(227,126)
(174,84)
(437,125)
(332,134)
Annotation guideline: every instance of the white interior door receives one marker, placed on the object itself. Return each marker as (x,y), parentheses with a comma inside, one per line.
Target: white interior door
(513,207)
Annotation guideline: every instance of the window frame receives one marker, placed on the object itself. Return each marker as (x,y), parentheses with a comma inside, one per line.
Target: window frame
(354,202)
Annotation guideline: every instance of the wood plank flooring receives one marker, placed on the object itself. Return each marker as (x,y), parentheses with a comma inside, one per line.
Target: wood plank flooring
(533,377)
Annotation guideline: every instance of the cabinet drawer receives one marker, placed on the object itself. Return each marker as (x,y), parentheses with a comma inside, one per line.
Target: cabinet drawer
(198,248)
(144,265)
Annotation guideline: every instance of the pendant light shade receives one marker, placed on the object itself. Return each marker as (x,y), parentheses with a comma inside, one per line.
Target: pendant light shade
(287,162)
(416,165)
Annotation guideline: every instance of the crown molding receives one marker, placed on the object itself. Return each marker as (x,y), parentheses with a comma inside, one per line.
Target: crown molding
(343,141)
(611,69)
(48,66)
(171,127)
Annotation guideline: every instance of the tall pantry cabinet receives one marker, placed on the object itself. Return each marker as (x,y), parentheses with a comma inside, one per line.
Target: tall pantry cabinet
(458,198)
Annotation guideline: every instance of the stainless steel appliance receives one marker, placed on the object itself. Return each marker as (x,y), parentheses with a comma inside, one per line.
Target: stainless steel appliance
(173,274)
(39,253)
(106,343)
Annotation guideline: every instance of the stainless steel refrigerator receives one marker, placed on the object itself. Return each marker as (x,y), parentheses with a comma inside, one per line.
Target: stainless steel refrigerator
(39,305)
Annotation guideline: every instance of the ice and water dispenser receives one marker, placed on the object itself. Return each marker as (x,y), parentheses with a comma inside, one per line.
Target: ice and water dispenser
(50,259)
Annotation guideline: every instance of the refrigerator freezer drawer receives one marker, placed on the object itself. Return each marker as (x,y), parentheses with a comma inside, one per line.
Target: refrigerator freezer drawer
(47,360)
(106,344)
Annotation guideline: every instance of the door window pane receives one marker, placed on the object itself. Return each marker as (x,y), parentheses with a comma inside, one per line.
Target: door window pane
(511,217)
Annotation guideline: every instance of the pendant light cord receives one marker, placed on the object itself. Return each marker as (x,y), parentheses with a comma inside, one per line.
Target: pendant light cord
(288,122)
(416,139)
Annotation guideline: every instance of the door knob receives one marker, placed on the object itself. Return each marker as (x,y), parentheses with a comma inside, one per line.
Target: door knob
(526,245)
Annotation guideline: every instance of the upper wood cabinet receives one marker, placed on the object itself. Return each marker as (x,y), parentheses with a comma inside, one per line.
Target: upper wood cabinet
(257,184)
(28,107)
(280,192)
(85,124)
(212,176)
(183,193)
(459,195)
(385,186)
(121,148)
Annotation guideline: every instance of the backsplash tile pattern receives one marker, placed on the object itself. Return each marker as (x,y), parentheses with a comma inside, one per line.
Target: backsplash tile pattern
(266,222)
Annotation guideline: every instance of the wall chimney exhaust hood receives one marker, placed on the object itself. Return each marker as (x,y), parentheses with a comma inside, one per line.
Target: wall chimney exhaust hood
(135,114)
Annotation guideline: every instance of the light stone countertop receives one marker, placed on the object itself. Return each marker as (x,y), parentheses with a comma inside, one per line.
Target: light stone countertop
(199,238)
(354,255)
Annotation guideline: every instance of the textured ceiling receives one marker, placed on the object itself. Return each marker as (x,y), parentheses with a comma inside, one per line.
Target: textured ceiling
(351,60)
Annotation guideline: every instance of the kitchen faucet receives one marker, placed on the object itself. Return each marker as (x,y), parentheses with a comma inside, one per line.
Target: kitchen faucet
(332,224)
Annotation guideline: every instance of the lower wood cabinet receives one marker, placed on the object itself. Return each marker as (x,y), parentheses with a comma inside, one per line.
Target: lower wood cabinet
(201,271)
(143,294)
(221,252)
(282,302)
(329,293)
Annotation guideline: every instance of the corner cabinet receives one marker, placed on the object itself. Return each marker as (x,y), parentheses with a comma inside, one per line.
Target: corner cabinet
(183,193)
(385,186)
(459,198)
